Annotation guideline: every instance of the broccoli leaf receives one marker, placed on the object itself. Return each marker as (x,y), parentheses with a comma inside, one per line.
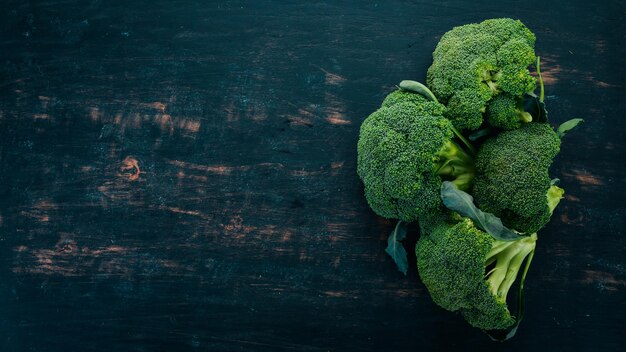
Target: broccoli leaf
(567,126)
(417,87)
(395,248)
(478,134)
(463,203)
(533,105)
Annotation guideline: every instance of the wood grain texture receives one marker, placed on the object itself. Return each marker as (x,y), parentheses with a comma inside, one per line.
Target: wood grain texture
(181,176)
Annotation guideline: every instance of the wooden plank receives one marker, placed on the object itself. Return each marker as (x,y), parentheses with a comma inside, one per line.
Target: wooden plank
(182,176)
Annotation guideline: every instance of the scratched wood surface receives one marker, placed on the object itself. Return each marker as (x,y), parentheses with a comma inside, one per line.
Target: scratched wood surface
(181,176)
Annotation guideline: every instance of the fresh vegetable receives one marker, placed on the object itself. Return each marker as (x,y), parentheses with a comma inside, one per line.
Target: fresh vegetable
(467,270)
(507,112)
(469,160)
(406,149)
(512,179)
(476,62)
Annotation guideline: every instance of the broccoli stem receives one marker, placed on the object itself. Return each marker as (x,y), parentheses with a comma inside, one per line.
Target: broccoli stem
(490,78)
(540,79)
(492,85)
(497,247)
(455,165)
(523,116)
(467,143)
(508,258)
(514,267)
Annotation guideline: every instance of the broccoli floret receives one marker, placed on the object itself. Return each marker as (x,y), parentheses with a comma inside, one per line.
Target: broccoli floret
(476,62)
(506,112)
(467,270)
(402,96)
(405,151)
(512,178)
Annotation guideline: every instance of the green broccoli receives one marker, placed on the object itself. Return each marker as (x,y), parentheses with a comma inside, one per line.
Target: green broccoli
(476,62)
(512,179)
(467,270)
(405,151)
(506,112)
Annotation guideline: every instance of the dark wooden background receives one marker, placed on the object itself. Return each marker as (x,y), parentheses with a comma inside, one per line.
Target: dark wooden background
(180,175)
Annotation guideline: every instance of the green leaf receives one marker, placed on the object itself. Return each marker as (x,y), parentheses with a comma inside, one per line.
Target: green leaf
(503,335)
(533,105)
(463,203)
(567,126)
(417,87)
(478,134)
(395,248)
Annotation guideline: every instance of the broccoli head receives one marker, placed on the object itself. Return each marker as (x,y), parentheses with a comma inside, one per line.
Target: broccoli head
(505,111)
(476,62)
(467,270)
(512,179)
(405,151)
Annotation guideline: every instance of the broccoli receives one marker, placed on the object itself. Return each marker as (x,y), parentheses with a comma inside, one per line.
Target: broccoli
(467,270)
(476,62)
(506,112)
(478,212)
(512,180)
(405,151)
